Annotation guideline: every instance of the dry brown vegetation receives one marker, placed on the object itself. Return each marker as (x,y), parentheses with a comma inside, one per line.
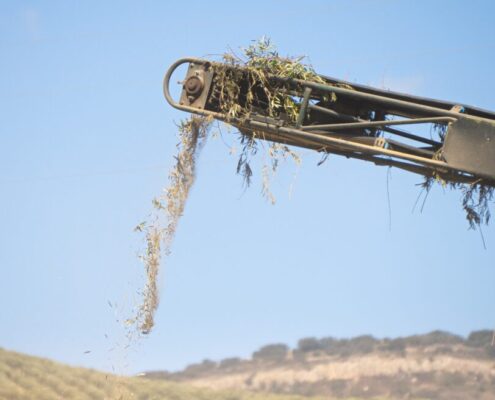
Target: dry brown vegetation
(168,208)
(31,378)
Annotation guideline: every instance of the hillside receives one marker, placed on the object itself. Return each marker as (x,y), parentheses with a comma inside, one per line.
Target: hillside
(25,377)
(437,365)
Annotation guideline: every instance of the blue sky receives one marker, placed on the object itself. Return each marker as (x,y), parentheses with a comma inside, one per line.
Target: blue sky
(86,141)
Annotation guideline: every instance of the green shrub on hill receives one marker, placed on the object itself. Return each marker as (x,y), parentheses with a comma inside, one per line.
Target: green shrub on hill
(272,352)
(480,338)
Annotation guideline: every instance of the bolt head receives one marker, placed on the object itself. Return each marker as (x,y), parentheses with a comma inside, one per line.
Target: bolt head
(194,85)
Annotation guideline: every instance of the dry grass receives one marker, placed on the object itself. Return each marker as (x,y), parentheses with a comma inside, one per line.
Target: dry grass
(168,208)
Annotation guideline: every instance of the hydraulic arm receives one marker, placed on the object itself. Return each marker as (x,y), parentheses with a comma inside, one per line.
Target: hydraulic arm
(350,120)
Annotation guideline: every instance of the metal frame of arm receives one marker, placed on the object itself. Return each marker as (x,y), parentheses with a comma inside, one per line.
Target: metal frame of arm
(471,135)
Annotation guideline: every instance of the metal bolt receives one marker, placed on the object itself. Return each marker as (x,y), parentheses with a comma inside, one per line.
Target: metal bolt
(194,86)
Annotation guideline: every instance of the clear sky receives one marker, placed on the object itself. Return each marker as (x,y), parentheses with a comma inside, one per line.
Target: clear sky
(86,140)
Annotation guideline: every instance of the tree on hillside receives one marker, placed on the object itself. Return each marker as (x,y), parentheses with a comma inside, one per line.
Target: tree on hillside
(272,352)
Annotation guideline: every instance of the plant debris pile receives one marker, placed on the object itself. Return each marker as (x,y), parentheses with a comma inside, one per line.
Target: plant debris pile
(167,211)
(258,65)
(263,95)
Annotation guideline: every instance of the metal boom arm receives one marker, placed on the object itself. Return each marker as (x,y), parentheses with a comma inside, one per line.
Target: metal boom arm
(360,122)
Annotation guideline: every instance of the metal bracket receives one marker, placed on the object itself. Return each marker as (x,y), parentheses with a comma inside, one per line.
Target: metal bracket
(470,146)
(196,85)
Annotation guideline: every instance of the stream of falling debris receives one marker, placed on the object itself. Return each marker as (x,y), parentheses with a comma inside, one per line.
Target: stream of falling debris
(168,208)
